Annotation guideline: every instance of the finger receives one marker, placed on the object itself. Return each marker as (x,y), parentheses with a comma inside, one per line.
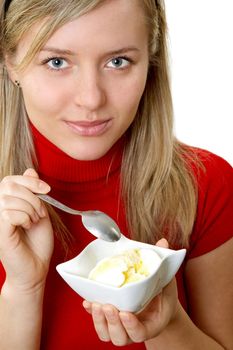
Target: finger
(31,172)
(16,218)
(100,323)
(18,204)
(87,306)
(32,183)
(117,333)
(16,190)
(135,329)
(163,243)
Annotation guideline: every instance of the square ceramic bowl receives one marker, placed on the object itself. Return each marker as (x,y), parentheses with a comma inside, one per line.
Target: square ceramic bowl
(131,297)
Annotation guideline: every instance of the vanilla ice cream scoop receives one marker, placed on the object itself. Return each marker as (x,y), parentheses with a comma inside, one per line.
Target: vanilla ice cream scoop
(127,267)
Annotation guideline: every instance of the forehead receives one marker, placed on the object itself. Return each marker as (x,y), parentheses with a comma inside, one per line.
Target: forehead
(114,21)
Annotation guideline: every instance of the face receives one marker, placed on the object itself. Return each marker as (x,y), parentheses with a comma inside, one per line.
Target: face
(82,90)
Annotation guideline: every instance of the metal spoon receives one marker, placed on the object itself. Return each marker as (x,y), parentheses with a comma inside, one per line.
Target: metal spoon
(96,222)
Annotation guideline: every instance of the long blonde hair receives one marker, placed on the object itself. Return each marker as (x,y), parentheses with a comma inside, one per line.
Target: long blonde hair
(157,184)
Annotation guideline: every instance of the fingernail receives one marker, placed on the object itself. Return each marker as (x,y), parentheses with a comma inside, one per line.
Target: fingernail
(44,186)
(104,338)
(86,304)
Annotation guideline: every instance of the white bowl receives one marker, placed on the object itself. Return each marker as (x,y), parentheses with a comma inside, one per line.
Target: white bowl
(131,297)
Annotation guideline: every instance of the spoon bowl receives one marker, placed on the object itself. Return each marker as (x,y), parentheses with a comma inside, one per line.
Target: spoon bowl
(95,221)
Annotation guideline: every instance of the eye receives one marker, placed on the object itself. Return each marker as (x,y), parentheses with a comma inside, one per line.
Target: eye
(57,63)
(119,62)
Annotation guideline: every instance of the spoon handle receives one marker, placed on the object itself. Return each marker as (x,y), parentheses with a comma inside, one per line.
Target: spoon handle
(58,205)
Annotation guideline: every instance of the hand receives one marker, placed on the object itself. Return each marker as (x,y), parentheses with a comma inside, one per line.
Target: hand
(26,235)
(122,328)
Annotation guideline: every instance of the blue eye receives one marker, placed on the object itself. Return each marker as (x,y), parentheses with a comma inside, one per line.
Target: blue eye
(119,62)
(57,63)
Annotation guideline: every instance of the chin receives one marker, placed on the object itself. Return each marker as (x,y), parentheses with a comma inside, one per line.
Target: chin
(88,155)
(90,149)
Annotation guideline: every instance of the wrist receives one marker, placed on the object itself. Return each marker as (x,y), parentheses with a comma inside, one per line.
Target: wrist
(175,330)
(178,324)
(21,311)
(182,333)
(177,317)
(18,293)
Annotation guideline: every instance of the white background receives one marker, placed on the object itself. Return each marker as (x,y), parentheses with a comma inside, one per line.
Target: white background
(201,54)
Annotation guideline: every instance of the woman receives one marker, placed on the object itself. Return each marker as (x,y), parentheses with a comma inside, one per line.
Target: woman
(86,114)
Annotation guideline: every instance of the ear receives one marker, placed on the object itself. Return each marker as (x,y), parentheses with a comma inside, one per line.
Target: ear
(11,69)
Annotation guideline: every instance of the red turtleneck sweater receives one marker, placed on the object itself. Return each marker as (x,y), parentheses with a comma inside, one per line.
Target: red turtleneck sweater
(95,185)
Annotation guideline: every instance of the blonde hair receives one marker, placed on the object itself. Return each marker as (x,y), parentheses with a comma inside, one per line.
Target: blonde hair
(157,184)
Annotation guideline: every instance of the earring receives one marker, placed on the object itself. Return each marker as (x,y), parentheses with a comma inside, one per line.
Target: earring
(17,83)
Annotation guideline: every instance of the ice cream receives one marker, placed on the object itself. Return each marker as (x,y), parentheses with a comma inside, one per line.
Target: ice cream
(130,266)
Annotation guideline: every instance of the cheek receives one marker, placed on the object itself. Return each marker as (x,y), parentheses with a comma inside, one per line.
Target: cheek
(131,96)
(42,97)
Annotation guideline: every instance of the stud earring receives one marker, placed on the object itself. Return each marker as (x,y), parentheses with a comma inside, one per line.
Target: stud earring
(17,83)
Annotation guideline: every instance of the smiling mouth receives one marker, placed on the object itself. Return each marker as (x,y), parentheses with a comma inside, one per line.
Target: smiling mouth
(85,128)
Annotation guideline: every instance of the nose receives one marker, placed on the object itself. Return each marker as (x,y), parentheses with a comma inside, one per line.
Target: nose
(89,90)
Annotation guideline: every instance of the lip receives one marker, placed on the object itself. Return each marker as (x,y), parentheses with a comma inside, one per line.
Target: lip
(85,128)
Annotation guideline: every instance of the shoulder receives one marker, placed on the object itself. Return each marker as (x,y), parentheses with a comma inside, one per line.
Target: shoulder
(214,218)
(214,176)
(210,167)
(211,172)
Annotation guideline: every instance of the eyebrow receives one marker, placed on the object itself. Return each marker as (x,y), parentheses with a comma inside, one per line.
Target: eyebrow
(71,53)
(57,51)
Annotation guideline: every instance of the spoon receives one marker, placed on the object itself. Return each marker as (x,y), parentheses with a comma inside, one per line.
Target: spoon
(96,222)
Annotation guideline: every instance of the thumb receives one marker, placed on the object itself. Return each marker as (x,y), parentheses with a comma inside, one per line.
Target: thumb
(31,172)
(163,243)
(43,186)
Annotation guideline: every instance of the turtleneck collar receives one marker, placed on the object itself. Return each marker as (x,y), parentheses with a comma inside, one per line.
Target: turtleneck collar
(57,165)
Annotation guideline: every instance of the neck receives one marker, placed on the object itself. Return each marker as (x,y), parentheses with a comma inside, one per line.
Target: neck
(57,165)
